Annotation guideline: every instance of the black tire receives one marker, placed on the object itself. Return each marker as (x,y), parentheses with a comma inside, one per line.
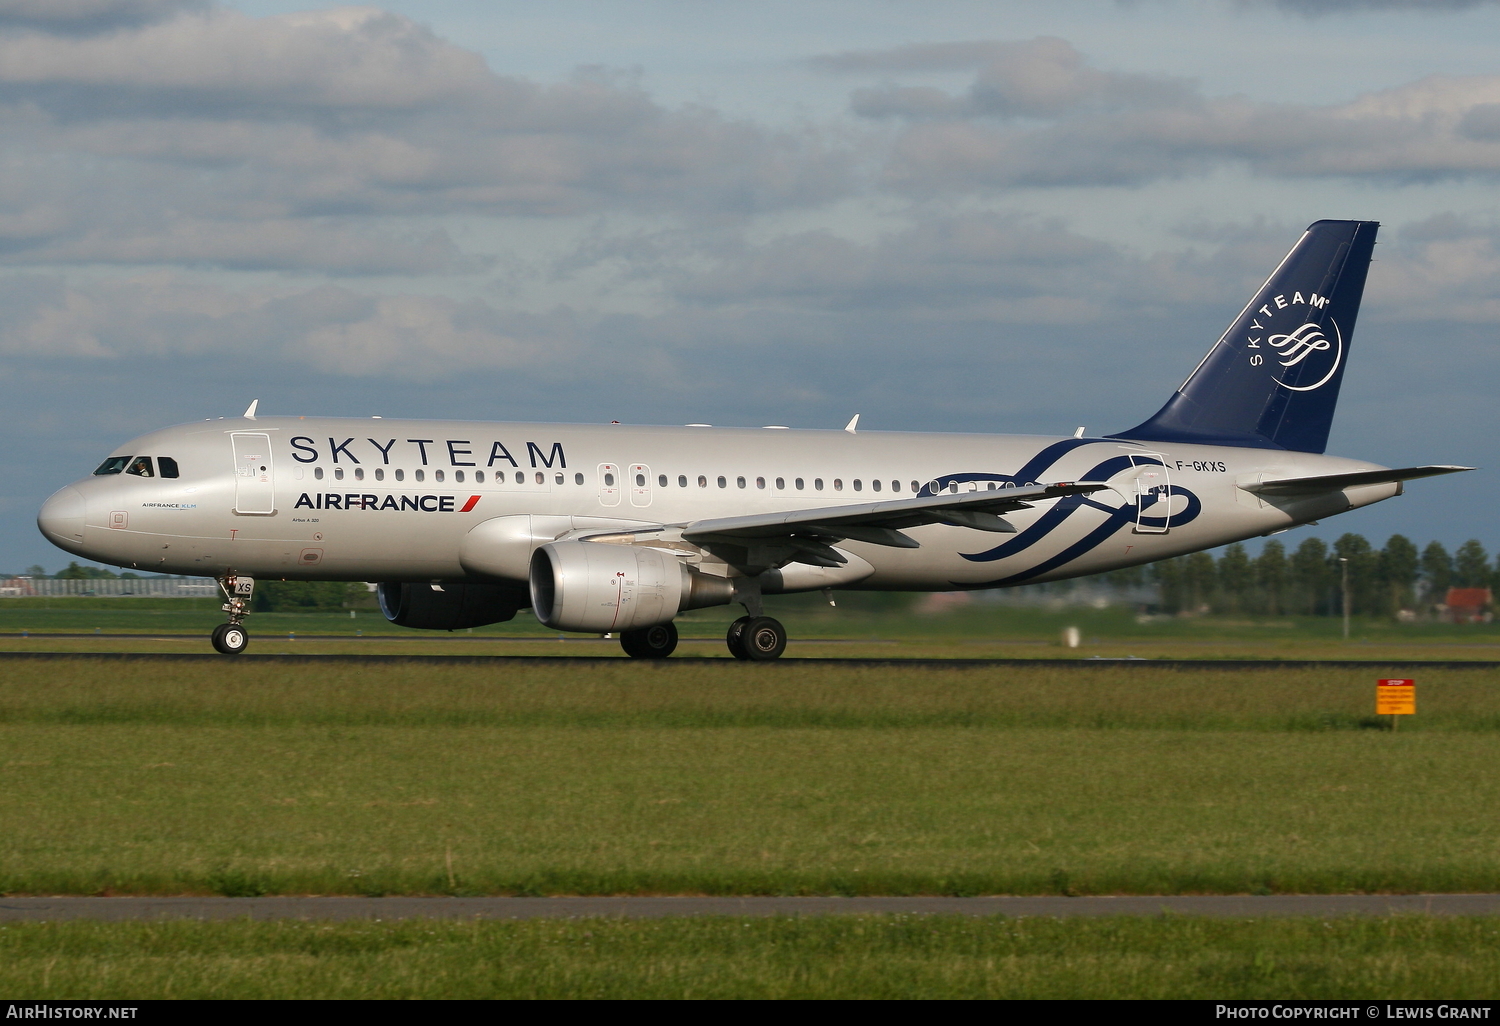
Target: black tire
(736,636)
(230,639)
(655,642)
(763,639)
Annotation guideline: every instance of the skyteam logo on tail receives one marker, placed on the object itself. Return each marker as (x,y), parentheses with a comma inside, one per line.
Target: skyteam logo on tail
(1306,341)
(1307,356)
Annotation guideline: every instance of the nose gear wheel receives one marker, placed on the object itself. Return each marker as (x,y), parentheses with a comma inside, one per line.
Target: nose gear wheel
(230,639)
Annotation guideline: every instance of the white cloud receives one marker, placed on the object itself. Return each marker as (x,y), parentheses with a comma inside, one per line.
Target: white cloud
(332,329)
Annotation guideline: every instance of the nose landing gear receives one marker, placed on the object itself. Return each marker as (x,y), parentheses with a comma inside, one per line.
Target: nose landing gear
(231,638)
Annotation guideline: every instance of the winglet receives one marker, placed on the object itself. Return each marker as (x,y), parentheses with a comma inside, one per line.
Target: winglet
(849,427)
(250,410)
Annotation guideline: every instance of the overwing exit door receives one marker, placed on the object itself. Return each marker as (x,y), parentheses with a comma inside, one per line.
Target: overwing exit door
(254,491)
(1153,494)
(640,484)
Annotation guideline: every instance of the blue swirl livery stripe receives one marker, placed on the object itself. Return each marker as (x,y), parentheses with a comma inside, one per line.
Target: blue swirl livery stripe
(1052,519)
(1117,519)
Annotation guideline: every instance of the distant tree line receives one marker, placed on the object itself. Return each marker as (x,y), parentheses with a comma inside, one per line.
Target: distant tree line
(1308,580)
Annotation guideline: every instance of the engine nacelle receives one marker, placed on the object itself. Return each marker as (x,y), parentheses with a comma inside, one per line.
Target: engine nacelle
(450,606)
(593,586)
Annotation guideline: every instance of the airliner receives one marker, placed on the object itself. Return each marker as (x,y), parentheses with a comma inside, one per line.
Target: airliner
(616,529)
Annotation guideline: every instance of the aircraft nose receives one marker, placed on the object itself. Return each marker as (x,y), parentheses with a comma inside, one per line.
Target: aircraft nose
(61,518)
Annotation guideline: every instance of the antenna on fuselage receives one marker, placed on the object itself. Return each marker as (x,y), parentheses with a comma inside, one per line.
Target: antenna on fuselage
(849,427)
(250,410)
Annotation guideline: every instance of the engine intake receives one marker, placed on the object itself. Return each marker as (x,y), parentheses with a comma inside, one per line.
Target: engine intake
(592,586)
(450,606)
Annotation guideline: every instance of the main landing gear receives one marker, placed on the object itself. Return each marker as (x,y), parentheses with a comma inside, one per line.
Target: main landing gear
(230,638)
(655,642)
(756,639)
(752,638)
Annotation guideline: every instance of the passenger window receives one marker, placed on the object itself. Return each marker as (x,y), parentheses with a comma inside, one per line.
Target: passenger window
(338,473)
(723,483)
(609,480)
(640,480)
(400,475)
(140,467)
(437,475)
(359,473)
(167,465)
(740,481)
(541,478)
(458,476)
(578,479)
(781,484)
(661,480)
(379,474)
(798,483)
(681,480)
(817,484)
(558,478)
(858,485)
(760,482)
(520,477)
(875,484)
(420,475)
(479,477)
(838,484)
(113,465)
(915,487)
(318,473)
(702,481)
(895,486)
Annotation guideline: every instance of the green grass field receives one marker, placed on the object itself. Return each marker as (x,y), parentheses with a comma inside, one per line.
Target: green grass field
(817,957)
(618,777)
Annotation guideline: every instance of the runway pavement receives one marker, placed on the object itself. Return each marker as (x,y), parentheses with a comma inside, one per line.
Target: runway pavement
(1095,661)
(13,910)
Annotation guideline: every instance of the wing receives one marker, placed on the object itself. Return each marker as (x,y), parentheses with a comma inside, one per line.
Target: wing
(808,535)
(1338,482)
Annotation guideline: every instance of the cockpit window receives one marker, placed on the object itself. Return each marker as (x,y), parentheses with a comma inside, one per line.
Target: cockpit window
(113,465)
(167,465)
(140,467)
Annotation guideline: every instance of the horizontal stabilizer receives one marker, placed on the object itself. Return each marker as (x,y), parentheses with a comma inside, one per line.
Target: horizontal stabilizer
(1338,482)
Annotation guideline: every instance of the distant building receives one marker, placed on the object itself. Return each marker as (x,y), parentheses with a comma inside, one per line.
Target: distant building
(1467,605)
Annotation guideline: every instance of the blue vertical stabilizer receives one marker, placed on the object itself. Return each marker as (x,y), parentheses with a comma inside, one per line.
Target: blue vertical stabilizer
(1273,379)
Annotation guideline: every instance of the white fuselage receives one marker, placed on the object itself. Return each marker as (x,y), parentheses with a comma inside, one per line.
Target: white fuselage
(387,500)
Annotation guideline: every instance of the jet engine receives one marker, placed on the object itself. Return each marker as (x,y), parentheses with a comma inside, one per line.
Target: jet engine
(450,606)
(595,586)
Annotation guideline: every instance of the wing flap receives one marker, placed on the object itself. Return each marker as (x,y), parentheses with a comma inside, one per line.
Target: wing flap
(977,510)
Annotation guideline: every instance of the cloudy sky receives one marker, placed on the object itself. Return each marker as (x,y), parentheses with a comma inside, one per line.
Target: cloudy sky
(997,215)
